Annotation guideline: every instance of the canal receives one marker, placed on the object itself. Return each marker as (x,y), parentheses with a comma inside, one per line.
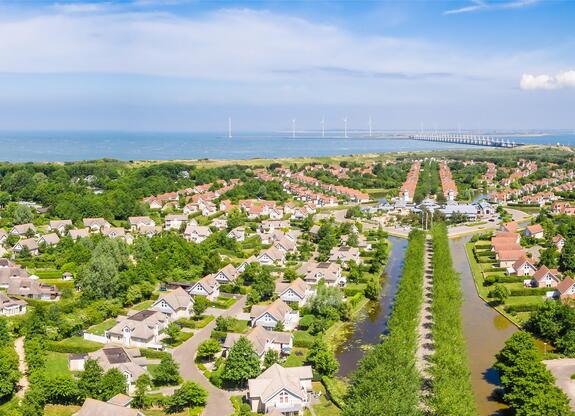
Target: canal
(367,328)
(485,331)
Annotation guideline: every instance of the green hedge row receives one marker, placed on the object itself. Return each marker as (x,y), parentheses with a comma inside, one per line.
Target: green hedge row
(387,381)
(451,391)
(535,291)
(521,308)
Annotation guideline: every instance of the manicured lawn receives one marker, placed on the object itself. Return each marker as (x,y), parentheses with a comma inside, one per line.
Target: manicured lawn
(102,327)
(239,326)
(524,300)
(223,302)
(303,339)
(142,305)
(477,270)
(73,345)
(296,358)
(325,407)
(57,363)
(60,410)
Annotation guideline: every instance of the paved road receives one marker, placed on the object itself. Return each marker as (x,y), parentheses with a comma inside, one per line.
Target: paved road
(218,400)
(562,370)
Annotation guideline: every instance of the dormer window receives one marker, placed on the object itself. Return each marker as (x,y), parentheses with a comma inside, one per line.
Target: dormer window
(283,397)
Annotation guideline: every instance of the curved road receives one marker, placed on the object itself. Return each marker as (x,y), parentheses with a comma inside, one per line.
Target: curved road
(218,400)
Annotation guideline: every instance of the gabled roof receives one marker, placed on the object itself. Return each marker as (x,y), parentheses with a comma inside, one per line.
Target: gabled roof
(298,286)
(93,407)
(277,378)
(535,228)
(564,286)
(521,261)
(542,272)
(230,272)
(209,283)
(259,337)
(177,299)
(507,255)
(278,309)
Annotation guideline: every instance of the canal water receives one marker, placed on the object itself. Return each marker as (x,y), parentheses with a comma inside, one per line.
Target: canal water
(485,331)
(372,322)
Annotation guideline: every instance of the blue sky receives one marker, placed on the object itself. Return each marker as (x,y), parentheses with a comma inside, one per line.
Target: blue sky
(178,65)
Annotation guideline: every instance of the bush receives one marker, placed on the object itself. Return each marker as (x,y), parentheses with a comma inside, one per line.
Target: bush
(306,321)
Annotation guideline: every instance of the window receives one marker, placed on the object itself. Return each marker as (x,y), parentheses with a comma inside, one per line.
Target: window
(284,397)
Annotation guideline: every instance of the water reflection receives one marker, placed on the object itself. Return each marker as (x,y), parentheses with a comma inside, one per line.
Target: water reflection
(366,330)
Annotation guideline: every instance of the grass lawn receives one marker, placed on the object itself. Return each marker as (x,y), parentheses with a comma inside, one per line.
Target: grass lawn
(142,305)
(325,407)
(239,327)
(102,327)
(303,339)
(524,300)
(60,410)
(477,271)
(296,358)
(223,302)
(73,345)
(57,363)
(184,336)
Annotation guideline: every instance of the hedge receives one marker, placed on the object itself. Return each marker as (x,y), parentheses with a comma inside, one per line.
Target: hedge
(521,308)
(387,381)
(536,291)
(451,391)
(153,354)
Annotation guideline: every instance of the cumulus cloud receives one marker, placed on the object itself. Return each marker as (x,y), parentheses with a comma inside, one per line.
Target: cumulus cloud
(564,79)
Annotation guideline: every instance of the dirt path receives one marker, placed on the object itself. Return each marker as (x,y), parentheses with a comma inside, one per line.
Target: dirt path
(22,367)
(425,346)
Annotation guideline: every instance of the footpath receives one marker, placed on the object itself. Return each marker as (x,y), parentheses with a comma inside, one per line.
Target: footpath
(425,346)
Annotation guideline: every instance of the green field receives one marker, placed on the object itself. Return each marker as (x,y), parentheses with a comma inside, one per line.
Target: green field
(57,363)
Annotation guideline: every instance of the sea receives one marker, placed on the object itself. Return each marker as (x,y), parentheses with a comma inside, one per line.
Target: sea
(43,146)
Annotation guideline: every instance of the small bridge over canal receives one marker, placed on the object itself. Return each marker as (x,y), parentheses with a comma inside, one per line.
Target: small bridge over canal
(469,139)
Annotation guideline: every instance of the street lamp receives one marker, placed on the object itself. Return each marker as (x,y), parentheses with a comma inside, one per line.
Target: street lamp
(545,348)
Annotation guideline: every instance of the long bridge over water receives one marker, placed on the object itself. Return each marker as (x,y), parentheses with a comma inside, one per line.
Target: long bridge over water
(469,139)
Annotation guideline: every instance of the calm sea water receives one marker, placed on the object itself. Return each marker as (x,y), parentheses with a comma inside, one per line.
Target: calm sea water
(69,146)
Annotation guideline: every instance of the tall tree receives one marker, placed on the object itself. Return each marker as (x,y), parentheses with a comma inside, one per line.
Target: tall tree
(242,364)
(89,380)
(112,383)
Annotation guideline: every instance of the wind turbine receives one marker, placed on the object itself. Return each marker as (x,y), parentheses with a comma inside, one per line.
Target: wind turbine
(345,127)
(323,127)
(369,126)
(293,128)
(229,127)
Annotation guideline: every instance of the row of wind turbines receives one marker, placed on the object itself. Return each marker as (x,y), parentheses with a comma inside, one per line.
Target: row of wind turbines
(322,123)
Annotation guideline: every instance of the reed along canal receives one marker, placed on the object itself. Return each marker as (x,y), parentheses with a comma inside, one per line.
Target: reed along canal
(367,328)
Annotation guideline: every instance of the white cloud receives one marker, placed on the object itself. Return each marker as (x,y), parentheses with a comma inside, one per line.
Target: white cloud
(565,79)
(481,5)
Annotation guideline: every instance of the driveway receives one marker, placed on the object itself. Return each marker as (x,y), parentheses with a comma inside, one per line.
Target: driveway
(218,400)
(562,370)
